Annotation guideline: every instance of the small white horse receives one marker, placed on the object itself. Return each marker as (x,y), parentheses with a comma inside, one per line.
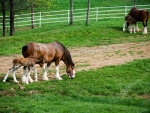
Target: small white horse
(27,63)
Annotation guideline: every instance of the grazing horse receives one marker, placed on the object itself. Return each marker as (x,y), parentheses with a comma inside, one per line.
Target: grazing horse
(27,63)
(131,22)
(140,16)
(51,52)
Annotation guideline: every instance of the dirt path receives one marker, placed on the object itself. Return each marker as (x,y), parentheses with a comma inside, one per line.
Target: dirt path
(94,57)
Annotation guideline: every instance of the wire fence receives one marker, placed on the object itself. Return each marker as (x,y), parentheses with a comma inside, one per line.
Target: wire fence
(97,13)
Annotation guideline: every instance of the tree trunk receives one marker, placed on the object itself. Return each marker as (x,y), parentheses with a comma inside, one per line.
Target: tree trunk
(11,3)
(4,18)
(71,12)
(88,12)
(32,15)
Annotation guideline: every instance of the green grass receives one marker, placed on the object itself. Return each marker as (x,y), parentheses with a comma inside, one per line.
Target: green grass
(123,88)
(61,5)
(115,89)
(103,32)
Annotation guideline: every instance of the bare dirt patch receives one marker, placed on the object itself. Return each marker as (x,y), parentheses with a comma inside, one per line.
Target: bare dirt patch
(87,58)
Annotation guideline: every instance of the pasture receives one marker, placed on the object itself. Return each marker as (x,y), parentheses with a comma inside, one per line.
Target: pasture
(112,70)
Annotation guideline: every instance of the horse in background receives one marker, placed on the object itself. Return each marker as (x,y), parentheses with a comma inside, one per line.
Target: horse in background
(131,22)
(140,16)
(51,52)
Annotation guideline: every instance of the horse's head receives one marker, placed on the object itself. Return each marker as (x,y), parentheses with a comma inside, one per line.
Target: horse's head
(70,71)
(127,20)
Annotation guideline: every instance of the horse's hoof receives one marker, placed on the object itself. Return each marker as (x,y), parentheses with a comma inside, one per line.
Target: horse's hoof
(59,78)
(31,80)
(36,80)
(16,82)
(46,79)
(144,33)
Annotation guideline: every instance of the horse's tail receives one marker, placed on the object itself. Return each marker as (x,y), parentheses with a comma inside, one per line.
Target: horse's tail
(24,51)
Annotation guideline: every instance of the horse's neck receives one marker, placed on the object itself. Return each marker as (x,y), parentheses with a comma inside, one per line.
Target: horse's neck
(67,60)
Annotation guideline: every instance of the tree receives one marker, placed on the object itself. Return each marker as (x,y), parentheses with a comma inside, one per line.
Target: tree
(12,28)
(4,8)
(38,3)
(20,5)
(88,12)
(71,12)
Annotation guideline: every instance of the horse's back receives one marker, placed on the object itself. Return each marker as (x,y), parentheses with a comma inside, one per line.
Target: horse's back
(139,15)
(45,51)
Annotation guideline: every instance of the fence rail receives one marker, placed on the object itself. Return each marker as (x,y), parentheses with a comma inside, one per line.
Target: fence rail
(97,13)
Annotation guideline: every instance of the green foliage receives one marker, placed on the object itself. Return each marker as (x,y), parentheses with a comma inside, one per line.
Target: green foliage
(123,88)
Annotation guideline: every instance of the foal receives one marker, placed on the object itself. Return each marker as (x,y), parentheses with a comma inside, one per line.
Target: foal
(140,16)
(131,22)
(27,63)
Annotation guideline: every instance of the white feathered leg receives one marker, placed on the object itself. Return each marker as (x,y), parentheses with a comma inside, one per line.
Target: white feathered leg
(14,76)
(134,29)
(73,76)
(45,73)
(8,71)
(137,29)
(130,28)
(24,76)
(35,73)
(27,77)
(124,26)
(145,30)
(57,73)
(13,69)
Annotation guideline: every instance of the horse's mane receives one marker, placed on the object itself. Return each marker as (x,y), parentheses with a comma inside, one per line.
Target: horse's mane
(67,53)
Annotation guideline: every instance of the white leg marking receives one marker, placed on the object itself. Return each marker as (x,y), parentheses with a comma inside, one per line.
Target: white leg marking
(5,78)
(134,28)
(24,76)
(145,30)
(73,76)
(57,73)
(124,26)
(27,77)
(137,29)
(30,79)
(14,76)
(45,73)
(130,28)
(35,73)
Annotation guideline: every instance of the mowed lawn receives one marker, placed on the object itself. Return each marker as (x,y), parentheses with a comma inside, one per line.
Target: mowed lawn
(112,89)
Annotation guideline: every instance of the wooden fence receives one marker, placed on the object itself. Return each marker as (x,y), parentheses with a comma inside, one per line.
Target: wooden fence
(97,13)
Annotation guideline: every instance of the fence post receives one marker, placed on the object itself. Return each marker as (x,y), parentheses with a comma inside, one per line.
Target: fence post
(40,20)
(96,14)
(68,15)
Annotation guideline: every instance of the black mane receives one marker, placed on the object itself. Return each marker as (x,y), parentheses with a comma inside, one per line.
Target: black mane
(67,53)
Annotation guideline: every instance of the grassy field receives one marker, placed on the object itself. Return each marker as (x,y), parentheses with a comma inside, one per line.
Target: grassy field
(116,89)
(103,32)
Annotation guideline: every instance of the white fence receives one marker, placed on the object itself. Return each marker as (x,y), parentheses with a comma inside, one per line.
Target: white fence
(97,13)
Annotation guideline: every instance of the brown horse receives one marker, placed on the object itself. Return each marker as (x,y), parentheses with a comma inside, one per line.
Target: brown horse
(140,16)
(51,52)
(131,22)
